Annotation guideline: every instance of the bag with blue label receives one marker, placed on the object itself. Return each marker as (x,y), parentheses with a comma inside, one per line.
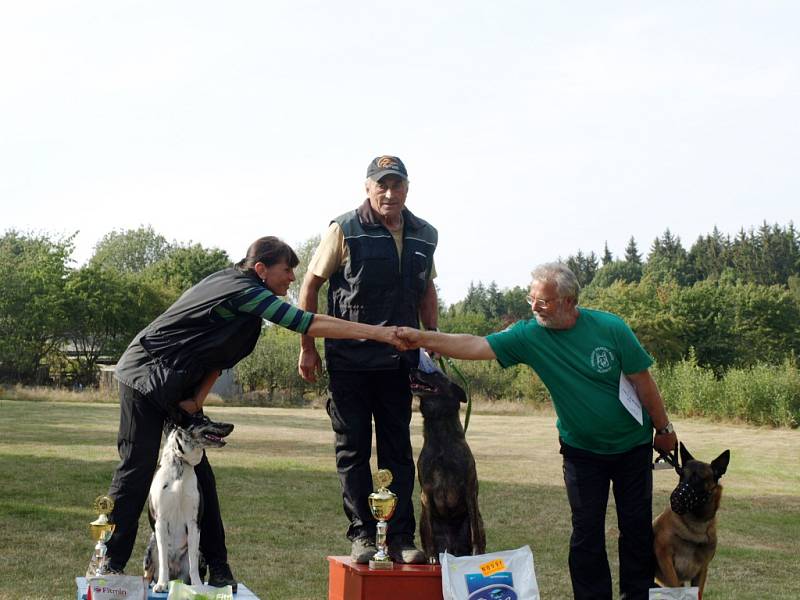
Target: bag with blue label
(505,575)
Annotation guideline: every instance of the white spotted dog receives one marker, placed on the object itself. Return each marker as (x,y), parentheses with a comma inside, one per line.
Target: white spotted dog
(175,504)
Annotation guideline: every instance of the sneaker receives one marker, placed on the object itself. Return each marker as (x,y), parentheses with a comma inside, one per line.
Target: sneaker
(186,419)
(219,575)
(362,550)
(198,419)
(403,551)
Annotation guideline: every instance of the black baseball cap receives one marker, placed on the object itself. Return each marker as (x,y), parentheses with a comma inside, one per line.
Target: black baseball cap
(386,165)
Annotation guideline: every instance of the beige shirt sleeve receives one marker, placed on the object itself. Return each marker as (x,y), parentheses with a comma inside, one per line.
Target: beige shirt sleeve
(331,254)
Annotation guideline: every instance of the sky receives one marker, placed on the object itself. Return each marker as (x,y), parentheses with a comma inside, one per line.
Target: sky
(530,129)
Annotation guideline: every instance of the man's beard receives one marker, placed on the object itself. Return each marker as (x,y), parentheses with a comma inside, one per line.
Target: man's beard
(555,321)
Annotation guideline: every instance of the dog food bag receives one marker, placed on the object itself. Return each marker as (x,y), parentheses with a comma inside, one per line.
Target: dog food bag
(182,591)
(505,575)
(114,587)
(679,593)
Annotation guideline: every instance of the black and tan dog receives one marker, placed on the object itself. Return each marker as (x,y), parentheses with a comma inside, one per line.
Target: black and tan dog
(450,519)
(686,532)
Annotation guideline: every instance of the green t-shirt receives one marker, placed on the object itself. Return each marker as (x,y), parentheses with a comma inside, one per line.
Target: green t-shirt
(581,368)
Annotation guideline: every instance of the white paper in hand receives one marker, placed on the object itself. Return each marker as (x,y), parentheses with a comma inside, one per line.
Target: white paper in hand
(426,364)
(629,398)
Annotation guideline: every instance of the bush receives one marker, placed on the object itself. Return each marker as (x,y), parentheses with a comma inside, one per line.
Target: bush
(762,395)
(489,380)
(528,386)
(687,388)
(486,379)
(272,368)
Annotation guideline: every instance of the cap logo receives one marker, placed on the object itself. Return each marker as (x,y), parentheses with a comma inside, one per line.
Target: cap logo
(386,161)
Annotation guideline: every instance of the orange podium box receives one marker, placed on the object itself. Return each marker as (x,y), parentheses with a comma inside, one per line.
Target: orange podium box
(350,581)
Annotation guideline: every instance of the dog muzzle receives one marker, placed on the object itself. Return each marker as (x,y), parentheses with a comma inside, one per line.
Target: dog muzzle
(685,498)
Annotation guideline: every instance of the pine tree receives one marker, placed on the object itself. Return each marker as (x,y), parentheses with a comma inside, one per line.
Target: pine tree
(668,260)
(709,257)
(632,252)
(584,267)
(607,258)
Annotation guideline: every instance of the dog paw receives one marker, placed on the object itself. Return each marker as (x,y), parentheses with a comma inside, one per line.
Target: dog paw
(160,587)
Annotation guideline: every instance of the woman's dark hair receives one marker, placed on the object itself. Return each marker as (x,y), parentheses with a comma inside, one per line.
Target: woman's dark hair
(270,251)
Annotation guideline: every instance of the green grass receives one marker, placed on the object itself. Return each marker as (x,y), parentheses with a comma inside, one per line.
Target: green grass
(282,505)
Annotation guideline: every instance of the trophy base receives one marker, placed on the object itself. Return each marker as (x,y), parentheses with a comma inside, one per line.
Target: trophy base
(381,565)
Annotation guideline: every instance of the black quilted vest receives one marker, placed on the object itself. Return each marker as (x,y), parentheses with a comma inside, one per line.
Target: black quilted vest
(170,356)
(376,286)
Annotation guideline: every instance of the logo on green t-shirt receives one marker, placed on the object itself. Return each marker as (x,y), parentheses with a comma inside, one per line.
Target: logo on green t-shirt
(602,359)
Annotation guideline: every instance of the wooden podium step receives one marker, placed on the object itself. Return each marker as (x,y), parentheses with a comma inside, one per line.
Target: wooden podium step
(350,581)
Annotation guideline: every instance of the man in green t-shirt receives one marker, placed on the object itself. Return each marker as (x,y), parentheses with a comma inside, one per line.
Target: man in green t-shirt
(589,360)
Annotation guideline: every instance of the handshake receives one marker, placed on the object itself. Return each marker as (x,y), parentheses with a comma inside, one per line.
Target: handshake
(309,363)
(402,338)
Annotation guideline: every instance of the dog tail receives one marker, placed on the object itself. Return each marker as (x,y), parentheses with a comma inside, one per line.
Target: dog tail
(150,562)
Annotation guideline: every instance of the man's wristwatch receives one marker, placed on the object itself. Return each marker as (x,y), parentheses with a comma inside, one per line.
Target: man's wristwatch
(667,429)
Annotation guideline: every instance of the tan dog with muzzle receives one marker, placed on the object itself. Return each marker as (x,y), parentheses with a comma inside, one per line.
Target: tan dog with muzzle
(686,532)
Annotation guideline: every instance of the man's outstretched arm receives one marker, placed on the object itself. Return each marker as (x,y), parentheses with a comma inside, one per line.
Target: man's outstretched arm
(455,345)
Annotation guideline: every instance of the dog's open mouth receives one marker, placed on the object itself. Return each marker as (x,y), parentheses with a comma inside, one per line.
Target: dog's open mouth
(418,387)
(214,439)
(424,384)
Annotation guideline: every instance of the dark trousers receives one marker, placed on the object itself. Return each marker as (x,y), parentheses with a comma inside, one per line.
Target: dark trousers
(356,398)
(587,477)
(141,424)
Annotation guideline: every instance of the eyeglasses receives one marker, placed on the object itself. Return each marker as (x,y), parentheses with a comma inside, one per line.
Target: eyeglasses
(539,303)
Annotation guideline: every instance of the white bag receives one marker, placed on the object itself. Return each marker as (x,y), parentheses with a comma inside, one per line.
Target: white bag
(183,591)
(114,587)
(678,593)
(505,575)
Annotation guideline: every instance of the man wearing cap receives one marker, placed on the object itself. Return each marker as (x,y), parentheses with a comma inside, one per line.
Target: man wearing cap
(378,260)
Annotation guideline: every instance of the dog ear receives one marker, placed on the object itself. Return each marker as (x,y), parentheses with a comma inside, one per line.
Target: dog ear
(685,455)
(720,464)
(169,425)
(459,393)
(454,390)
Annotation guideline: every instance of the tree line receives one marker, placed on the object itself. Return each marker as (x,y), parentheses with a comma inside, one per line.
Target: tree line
(725,303)
(733,302)
(58,322)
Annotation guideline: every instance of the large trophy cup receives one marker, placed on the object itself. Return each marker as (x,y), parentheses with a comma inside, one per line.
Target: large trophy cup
(382,503)
(101,530)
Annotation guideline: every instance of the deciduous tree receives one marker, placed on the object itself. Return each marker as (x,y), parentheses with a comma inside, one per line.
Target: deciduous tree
(130,251)
(33,268)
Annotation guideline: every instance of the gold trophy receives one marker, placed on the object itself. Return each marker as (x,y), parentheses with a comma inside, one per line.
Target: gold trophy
(100,530)
(382,503)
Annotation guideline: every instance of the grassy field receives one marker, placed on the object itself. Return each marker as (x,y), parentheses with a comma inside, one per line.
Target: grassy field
(282,506)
